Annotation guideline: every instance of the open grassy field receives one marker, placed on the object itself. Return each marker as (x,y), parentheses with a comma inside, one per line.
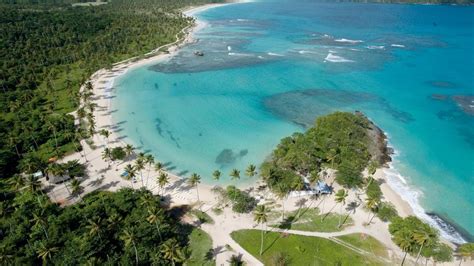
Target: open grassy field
(299,250)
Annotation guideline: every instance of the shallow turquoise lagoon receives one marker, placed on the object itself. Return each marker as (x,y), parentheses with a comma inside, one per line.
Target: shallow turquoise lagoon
(271,67)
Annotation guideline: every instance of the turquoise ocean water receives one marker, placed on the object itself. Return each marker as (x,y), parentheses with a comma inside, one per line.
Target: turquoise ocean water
(271,67)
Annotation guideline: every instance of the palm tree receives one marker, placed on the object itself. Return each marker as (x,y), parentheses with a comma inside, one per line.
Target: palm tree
(155,216)
(76,187)
(129,238)
(251,171)
(260,215)
(340,198)
(422,238)
(95,227)
(131,173)
(41,221)
(372,204)
(45,252)
(404,241)
(139,166)
(216,175)
(193,181)
(300,204)
(106,156)
(149,161)
(281,193)
(172,251)
(128,150)
(162,181)
(158,166)
(351,207)
(235,261)
(52,127)
(106,134)
(464,251)
(234,174)
(32,183)
(17,182)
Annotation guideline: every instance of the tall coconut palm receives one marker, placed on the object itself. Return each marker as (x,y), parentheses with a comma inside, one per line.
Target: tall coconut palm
(300,204)
(372,204)
(17,182)
(216,175)
(351,207)
(128,150)
(281,192)
(465,251)
(139,166)
(234,174)
(32,183)
(260,215)
(107,156)
(76,187)
(149,161)
(155,216)
(129,239)
(340,199)
(162,181)
(405,241)
(423,238)
(251,171)
(131,173)
(40,220)
(193,181)
(95,227)
(52,127)
(172,251)
(106,134)
(158,167)
(45,252)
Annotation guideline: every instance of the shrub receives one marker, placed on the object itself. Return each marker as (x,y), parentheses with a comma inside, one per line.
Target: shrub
(118,153)
(242,202)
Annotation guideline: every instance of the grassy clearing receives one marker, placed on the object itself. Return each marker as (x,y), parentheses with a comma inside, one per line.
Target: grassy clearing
(310,220)
(200,244)
(299,250)
(366,243)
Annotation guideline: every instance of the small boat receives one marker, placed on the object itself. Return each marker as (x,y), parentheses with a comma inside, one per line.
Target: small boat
(199,53)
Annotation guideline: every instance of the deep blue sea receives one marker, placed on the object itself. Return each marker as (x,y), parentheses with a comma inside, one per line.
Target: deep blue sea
(270,68)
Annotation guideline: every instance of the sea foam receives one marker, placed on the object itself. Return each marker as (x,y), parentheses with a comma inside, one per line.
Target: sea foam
(399,184)
(348,40)
(336,59)
(376,47)
(274,54)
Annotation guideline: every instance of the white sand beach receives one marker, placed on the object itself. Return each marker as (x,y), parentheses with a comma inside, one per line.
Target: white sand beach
(100,176)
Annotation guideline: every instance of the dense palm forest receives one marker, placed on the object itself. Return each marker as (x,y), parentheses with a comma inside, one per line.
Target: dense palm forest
(126,227)
(48,49)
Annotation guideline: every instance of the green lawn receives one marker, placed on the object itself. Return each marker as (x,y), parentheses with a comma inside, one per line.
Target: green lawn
(200,243)
(300,250)
(311,220)
(366,243)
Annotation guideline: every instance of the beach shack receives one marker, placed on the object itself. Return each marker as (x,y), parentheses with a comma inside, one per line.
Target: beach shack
(323,188)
